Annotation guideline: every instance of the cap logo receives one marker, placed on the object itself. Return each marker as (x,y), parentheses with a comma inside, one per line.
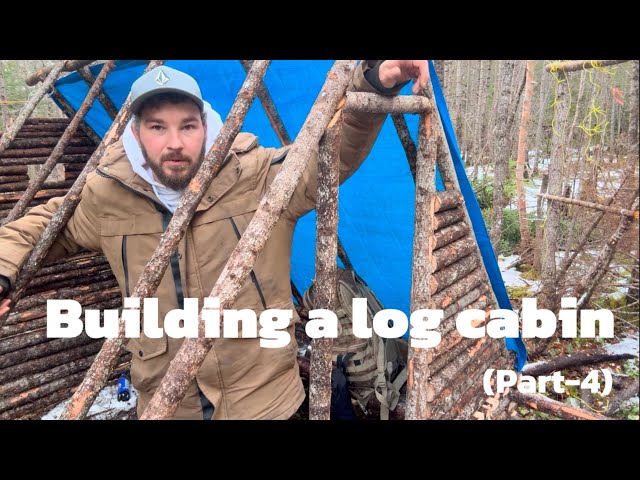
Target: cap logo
(162,78)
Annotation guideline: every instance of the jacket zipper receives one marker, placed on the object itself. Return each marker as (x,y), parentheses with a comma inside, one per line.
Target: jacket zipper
(125,266)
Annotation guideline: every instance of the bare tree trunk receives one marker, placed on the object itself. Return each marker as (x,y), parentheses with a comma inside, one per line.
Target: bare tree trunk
(501,172)
(538,142)
(525,236)
(552,223)
(457,121)
(518,82)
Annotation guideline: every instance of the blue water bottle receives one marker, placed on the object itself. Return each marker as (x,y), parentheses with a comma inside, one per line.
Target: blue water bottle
(123,389)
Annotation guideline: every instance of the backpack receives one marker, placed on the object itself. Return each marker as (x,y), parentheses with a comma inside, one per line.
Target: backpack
(374,365)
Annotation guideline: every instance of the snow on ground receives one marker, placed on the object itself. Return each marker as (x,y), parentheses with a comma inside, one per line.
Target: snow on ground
(512,277)
(105,407)
(629,345)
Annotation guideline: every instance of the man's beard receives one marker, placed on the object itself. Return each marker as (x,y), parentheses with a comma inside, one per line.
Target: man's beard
(178,180)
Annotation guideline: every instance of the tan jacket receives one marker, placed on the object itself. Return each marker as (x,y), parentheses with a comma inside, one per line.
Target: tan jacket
(120,216)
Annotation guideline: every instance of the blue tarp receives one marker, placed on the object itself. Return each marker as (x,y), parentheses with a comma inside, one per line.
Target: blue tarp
(376,203)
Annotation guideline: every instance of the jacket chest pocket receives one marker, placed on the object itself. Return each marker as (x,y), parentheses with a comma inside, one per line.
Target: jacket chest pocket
(128,244)
(216,233)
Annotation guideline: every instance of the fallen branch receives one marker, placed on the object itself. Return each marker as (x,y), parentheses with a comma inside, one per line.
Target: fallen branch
(553,407)
(571,361)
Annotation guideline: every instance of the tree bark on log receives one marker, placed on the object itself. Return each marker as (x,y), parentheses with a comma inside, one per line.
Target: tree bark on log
(448,217)
(447,200)
(42,142)
(465,285)
(20,187)
(40,364)
(326,251)
(39,160)
(157,265)
(374,103)
(193,351)
(553,407)
(451,274)
(449,234)
(407,142)
(419,390)
(462,375)
(451,253)
(21,153)
(44,349)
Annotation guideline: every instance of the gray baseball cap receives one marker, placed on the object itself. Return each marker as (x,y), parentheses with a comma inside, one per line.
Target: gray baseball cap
(164,79)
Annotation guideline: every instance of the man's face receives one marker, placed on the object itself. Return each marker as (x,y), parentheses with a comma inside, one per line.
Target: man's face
(172,139)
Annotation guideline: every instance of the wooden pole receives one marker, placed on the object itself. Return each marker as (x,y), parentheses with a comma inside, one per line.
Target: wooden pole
(595,206)
(374,103)
(553,407)
(326,250)
(67,66)
(106,102)
(419,390)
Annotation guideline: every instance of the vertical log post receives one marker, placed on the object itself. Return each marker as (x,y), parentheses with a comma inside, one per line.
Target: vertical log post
(419,392)
(326,250)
